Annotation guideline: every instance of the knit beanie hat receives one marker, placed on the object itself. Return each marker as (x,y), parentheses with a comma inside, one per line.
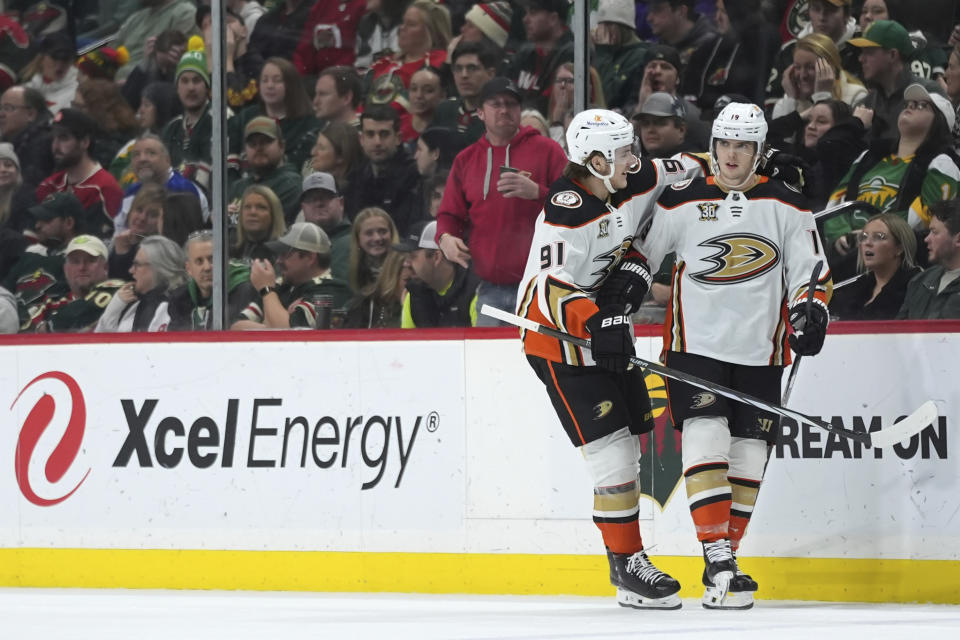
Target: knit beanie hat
(493,19)
(103,62)
(195,59)
(7,152)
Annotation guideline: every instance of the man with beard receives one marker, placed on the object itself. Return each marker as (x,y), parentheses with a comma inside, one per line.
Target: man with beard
(264,148)
(190,305)
(38,274)
(150,162)
(97,190)
(145,25)
(188,137)
(495,192)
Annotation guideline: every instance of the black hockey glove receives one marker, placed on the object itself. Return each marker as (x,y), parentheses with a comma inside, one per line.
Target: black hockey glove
(785,167)
(627,285)
(807,337)
(611,341)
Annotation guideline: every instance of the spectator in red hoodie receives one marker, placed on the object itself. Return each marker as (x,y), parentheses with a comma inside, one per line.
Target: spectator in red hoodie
(494,194)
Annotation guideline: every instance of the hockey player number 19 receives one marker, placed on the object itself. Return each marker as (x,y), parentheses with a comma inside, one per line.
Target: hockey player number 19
(551,255)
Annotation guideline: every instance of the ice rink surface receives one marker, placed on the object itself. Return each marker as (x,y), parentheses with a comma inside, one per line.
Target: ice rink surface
(65,614)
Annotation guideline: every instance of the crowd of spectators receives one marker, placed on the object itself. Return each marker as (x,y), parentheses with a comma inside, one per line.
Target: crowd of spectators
(387,159)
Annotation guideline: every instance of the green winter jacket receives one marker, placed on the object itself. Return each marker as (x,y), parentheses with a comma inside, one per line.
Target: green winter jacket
(922,301)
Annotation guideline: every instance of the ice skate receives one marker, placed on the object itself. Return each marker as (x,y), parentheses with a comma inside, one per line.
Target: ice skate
(641,585)
(742,581)
(723,590)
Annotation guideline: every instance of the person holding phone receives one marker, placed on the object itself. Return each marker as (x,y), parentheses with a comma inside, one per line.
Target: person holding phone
(495,191)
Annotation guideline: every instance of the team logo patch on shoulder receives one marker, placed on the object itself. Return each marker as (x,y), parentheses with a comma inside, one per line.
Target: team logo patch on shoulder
(568,199)
(680,186)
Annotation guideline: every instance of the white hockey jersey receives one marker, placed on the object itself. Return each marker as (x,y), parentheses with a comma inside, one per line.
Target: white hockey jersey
(578,240)
(741,258)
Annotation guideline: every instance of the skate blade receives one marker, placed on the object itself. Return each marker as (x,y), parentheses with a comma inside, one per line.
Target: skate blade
(735,600)
(626,598)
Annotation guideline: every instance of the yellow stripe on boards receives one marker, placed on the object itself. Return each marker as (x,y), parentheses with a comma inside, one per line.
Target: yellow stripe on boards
(825,579)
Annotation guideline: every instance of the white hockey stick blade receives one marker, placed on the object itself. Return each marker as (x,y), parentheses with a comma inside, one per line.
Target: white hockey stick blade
(907,428)
(506,316)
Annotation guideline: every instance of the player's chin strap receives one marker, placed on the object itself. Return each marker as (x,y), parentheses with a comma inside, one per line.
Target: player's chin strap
(604,178)
(898,432)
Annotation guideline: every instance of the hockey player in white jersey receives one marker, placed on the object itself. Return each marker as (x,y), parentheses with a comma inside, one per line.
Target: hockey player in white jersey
(745,250)
(583,277)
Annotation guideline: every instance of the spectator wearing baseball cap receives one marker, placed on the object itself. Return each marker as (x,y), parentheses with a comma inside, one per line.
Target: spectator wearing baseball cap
(619,55)
(906,176)
(494,194)
(322,205)
(662,73)
(189,136)
(264,148)
(884,49)
(306,295)
(38,273)
(56,76)
(85,272)
(661,125)
(97,190)
(549,44)
(441,293)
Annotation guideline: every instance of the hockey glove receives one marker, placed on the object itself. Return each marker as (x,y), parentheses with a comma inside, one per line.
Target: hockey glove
(807,337)
(611,341)
(785,167)
(627,285)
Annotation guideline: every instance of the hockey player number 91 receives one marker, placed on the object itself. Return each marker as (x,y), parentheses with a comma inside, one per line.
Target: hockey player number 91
(551,255)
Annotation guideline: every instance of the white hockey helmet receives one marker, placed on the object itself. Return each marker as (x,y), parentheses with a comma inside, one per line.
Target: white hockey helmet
(598,130)
(739,121)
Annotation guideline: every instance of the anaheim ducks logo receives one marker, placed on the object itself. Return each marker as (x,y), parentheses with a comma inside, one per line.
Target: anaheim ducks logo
(739,257)
(602,409)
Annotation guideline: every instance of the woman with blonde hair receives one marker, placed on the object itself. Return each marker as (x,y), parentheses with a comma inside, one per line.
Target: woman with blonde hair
(382,307)
(261,221)
(816,74)
(885,259)
(422,42)
(373,234)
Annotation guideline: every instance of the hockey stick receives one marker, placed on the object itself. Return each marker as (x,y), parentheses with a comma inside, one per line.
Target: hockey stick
(903,430)
(811,288)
